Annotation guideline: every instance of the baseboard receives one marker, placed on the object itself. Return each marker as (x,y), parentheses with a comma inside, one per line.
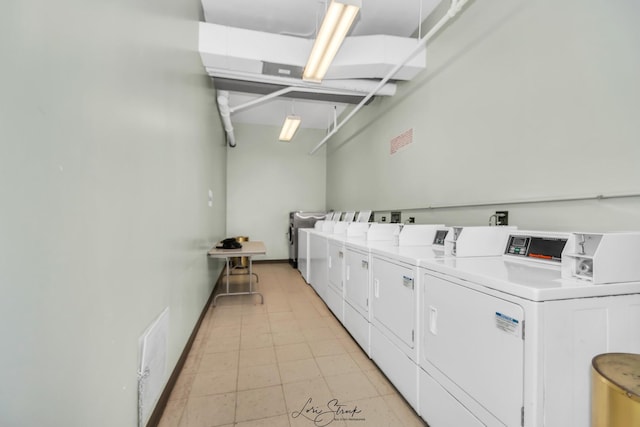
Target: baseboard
(271,261)
(156,415)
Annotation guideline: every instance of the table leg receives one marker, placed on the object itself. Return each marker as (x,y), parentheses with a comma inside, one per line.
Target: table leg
(251,281)
(251,274)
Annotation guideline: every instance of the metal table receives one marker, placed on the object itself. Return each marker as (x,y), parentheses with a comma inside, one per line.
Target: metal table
(248,250)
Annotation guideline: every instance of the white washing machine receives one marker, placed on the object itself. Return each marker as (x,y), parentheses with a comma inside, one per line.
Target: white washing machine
(508,341)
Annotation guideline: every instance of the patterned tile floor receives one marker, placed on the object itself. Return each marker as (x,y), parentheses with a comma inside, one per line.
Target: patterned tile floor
(281,363)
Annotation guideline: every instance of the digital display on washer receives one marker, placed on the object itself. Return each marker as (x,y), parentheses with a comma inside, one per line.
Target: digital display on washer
(519,241)
(536,247)
(440,236)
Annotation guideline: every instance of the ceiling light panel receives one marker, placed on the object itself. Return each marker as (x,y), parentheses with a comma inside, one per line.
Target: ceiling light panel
(334,29)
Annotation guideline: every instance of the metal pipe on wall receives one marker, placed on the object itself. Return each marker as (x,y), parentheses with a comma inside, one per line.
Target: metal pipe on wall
(520,202)
(226,110)
(286,90)
(225,114)
(456,6)
(355,87)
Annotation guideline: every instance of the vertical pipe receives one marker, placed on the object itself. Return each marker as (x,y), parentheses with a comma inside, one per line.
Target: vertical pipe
(225,114)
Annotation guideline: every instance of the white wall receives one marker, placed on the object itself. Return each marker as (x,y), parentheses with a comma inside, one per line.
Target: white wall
(267,179)
(109,143)
(521,101)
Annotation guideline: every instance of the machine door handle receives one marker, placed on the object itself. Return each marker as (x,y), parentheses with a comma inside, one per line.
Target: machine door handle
(407,282)
(376,288)
(348,271)
(433,320)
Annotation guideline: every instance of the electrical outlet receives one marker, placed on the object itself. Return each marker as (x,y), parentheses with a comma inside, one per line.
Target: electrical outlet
(502,217)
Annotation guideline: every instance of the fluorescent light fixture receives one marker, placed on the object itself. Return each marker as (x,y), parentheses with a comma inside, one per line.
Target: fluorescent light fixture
(334,29)
(289,128)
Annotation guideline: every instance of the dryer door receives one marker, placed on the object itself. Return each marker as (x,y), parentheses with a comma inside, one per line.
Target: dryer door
(357,281)
(476,340)
(394,300)
(335,265)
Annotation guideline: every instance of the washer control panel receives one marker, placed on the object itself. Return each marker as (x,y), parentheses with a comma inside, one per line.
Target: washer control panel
(543,248)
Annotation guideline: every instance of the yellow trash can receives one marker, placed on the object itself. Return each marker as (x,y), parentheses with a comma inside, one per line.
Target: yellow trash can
(615,390)
(240,262)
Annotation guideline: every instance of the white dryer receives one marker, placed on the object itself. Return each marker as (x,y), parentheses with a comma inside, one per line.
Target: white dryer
(507,341)
(394,303)
(343,231)
(357,292)
(396,296)
(318,255)
(334,297)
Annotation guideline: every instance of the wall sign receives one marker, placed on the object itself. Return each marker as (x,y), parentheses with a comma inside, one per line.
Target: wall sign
(402,140)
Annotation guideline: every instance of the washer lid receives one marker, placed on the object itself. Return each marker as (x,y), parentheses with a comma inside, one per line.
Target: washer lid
(524,279)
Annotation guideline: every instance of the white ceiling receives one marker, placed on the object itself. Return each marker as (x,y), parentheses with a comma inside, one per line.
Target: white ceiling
(301,18)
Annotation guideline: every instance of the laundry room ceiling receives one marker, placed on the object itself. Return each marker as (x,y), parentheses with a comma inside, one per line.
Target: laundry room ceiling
(272,25)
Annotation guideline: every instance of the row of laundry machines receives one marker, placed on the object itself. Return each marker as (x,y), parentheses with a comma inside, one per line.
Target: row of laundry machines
(480,326)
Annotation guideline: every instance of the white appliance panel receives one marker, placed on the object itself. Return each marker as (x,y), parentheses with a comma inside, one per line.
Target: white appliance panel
(528,280)
(401,371)
(576,331)
(335,302)
(335,264)
(335,276)
(602,258)
(449,412)
(394,299)
(476,340)
(357,280)
(318,263)
(359,327)
(303,253)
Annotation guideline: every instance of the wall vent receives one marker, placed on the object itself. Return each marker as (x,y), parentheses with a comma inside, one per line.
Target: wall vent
(152,375)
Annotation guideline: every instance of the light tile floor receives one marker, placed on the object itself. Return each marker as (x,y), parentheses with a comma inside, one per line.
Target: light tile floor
(255,364)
